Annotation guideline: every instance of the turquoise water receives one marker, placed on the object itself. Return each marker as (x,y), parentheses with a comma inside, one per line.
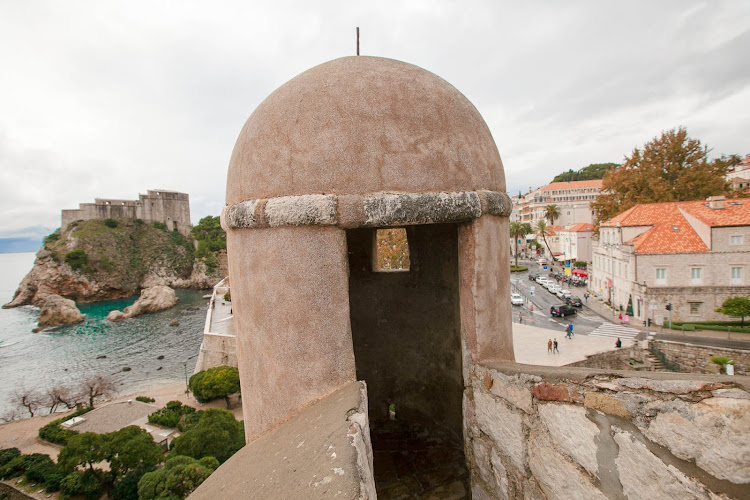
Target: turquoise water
(69,354)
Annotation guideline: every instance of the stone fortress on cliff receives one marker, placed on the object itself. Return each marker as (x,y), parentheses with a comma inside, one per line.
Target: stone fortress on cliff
(168,207)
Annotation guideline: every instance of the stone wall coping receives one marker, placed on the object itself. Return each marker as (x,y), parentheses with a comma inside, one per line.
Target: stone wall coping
(382,209)
(563,373)
(687,343)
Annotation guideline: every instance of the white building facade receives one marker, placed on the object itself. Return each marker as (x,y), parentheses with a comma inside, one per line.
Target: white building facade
(692,255)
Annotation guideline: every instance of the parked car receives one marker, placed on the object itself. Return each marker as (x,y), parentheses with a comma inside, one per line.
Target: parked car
(563,294)
(542,262)
(553,289)
(516,299)
(574,301)
(533,277)
(541,280)
(561,310)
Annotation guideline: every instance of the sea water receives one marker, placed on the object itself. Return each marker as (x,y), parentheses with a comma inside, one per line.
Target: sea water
(67,355)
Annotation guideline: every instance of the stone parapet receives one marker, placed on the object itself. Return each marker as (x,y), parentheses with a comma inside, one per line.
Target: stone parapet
(697,359)
(559,433)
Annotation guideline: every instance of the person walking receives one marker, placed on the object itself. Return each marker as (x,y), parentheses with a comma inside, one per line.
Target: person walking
(520,318)
(549,346)
(554,347)
(618,344)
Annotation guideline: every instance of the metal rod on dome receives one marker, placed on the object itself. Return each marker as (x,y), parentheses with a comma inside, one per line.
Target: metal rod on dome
(357,40)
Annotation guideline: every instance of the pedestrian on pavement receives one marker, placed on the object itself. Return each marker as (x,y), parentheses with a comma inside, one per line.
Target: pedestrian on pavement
(618,344)
(554,347)
(620,317)
(520,318)
(549,346)
(626,319)
(586,297)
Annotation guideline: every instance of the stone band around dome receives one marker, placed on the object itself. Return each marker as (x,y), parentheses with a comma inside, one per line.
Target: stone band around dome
(371,210)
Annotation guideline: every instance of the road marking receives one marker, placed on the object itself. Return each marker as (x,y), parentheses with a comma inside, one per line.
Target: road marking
(614,331)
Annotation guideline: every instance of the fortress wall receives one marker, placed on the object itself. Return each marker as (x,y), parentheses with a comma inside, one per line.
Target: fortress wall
(558,433)
(168,207)
(697,359)
(216,350)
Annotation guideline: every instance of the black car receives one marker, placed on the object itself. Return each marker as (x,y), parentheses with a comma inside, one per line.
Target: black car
(533,277)
(574,301)
(561,310)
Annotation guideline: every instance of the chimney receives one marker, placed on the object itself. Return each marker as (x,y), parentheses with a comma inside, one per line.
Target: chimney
(716,202)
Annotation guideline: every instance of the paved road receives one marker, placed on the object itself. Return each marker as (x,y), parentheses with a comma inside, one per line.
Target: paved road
(584,323)
(705,341)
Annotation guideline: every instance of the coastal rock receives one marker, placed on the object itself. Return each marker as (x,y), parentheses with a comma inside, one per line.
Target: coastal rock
(56,310)
(152,299)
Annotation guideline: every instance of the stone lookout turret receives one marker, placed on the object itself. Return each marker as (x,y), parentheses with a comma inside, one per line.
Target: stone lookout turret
(339,152)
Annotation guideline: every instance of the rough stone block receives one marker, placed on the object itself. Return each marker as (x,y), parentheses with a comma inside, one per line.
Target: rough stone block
(551,392)
(643,475)
(513,392)
(714,432)
(572,433)
(502,425)
(558,477)
(501,476)
(606,404)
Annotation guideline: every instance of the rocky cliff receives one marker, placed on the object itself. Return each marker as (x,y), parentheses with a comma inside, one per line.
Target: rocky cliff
(99,260)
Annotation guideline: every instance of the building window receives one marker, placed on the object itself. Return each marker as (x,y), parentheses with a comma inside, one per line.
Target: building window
(695,308)
(391,250)
(661,276)
(695,275)
(735,239)
(736,275)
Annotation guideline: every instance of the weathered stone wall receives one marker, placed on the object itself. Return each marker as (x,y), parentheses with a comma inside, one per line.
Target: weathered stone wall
(8,492)
(538,432)
(216,349)
(697,359)
(168,207)
(618,359)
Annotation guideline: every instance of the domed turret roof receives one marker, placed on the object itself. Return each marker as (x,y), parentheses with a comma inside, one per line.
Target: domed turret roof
(360,125)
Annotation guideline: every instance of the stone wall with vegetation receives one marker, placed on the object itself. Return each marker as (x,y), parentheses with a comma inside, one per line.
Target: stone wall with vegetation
(552,433)
(697,359)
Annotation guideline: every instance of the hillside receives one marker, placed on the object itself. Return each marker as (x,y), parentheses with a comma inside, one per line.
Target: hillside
(99,260)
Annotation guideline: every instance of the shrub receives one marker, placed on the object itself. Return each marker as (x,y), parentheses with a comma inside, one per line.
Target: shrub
(518,269)
(8,454)
(47,473)
(84,484)
(110,223)
(215,383)
(170,415)
(580,264)
(139,222)
(105,263)
(216,434)
(21,464)
(145,399)
(77,259)
(54,433)
(51,238)
(160,225)
(722,361)
(228,297)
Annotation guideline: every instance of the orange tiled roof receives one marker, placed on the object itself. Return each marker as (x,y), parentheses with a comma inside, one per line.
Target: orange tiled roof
(554,229)
(580,227)
(670,231)
(572,185)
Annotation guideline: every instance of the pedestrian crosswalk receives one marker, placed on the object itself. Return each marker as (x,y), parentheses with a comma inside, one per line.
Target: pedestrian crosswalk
(615,331)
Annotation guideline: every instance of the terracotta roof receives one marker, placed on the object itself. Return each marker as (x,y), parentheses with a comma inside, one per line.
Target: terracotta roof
(554,229)
(670,231)
(580,227)
(572,185)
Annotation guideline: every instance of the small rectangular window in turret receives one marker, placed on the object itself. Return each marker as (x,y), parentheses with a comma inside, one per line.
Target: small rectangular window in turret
(391,250)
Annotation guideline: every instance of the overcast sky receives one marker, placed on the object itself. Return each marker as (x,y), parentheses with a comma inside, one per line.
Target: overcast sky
(111,98)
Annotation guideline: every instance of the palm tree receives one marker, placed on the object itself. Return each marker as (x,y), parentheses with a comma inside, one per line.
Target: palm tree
(519,230)
(542,230)
(552,212)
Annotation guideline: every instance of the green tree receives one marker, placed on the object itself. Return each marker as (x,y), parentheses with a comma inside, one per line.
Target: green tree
(215,383)
(552,213)
(129,449)
(519,230)
(84,450)
(543,231)
(672,167)
(215,434)
(590,172)
(736,307)
(180,476)
(209,235)
(77,259)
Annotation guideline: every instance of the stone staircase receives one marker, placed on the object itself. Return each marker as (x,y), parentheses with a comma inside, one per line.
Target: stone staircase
(654,362)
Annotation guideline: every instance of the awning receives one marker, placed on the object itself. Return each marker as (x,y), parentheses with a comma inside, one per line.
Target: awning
(579,272)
